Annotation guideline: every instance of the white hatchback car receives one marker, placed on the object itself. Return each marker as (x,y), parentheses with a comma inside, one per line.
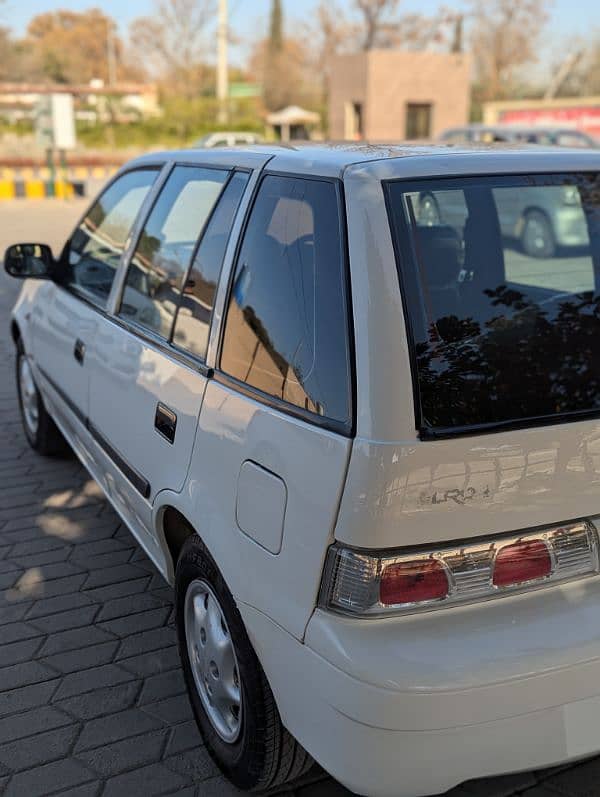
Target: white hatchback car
(364,448)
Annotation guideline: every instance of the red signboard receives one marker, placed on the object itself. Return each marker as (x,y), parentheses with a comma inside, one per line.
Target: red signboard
(580,117)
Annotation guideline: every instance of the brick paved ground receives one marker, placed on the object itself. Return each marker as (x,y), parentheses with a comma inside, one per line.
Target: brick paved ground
(91,695)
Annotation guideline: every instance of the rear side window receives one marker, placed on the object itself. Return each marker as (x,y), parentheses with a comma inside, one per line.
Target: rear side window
(163,252)
(91,258)
(286,331)
(196,303)
(501,278)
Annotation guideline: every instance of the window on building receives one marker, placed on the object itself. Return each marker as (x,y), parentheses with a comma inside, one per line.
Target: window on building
(418,120)
(353,122)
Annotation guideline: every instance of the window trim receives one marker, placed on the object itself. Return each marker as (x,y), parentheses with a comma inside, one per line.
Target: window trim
(137,234)
(402,244)
(339,427)
(84,296)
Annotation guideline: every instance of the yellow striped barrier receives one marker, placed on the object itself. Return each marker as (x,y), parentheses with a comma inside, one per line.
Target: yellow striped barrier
(37,183)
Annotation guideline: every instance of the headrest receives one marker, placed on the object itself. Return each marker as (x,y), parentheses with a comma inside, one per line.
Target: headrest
(438,248)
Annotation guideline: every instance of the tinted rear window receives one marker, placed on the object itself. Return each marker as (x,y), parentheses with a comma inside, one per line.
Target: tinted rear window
(501,277)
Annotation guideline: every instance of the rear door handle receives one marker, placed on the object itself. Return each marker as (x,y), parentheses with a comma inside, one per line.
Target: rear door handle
(165,422)
(79,351)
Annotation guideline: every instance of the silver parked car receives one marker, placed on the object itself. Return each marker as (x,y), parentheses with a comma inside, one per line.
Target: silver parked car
(545,136)
(224,138)
(541,219)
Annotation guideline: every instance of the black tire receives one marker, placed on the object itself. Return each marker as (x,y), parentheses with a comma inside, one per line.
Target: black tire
(46,438)
(537,236)
(265,754)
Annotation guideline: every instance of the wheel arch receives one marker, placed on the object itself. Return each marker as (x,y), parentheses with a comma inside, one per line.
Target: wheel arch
(15,331)
(173,528)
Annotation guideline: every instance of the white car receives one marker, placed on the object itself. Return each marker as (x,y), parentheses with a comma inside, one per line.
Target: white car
(224,138)
(365,450)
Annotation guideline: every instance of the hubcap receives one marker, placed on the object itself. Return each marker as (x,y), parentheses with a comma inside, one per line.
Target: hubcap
(213,660)
(29,398)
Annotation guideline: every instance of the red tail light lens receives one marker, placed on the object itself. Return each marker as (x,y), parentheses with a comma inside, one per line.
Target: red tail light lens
(413,582)
(520,562)
(369,583)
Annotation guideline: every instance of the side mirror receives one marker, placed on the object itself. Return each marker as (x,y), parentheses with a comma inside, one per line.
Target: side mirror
(29,261)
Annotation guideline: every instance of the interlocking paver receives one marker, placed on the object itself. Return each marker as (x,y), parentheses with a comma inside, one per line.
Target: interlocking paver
(29,723)
(102,731)
(83,658)
(19,651)
(137,622)
(40,781)
(78,683)
(75,638)
(99,702)
(112,759)
(14,701)
(150,780)
(29,672)
(40,749)
(92,699)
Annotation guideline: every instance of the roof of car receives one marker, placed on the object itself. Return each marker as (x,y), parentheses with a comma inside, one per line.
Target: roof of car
(332,159)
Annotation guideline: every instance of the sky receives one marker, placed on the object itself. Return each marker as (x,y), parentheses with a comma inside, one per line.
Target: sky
(569,18)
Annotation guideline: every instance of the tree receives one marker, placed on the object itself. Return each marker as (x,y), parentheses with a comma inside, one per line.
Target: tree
(375,19)
(173,42)
(280,64)
(504,37)
(584,77)
(72,47)
(328,33)
(276,26)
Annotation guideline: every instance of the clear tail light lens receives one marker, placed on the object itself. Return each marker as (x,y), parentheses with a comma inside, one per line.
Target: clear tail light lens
(375,583)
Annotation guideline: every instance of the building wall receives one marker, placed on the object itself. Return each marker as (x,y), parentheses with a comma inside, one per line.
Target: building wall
(386,80)
(347,83)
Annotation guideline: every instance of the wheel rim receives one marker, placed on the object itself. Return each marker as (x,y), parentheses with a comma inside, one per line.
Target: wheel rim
(29,397)
(536,235)
(212,660)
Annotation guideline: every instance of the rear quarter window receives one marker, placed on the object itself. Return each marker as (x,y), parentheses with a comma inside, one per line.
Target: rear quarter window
(286,330)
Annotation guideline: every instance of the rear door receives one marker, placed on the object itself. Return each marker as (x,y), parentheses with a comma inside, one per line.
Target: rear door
(276,423)
(149,374)
(67,312)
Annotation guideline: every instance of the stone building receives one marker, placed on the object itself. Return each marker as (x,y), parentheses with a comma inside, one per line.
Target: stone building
(393,95)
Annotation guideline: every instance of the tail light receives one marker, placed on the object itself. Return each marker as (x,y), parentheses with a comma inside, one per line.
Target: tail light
(375,583)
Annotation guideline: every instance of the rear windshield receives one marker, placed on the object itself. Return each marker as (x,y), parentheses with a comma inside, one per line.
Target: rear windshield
(501,286)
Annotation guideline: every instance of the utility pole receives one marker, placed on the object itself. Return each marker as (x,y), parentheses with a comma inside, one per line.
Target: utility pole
(222,75)
(111,55)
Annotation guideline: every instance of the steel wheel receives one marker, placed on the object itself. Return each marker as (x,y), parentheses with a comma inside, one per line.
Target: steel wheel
(29,396)
(212,660)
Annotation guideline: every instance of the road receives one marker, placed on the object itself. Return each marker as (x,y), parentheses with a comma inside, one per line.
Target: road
(92,701)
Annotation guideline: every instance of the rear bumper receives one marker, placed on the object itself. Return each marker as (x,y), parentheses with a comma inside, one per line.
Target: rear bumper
(415,705)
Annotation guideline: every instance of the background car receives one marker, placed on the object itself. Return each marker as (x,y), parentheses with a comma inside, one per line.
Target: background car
(227,139)
(541,220)
(488,134)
